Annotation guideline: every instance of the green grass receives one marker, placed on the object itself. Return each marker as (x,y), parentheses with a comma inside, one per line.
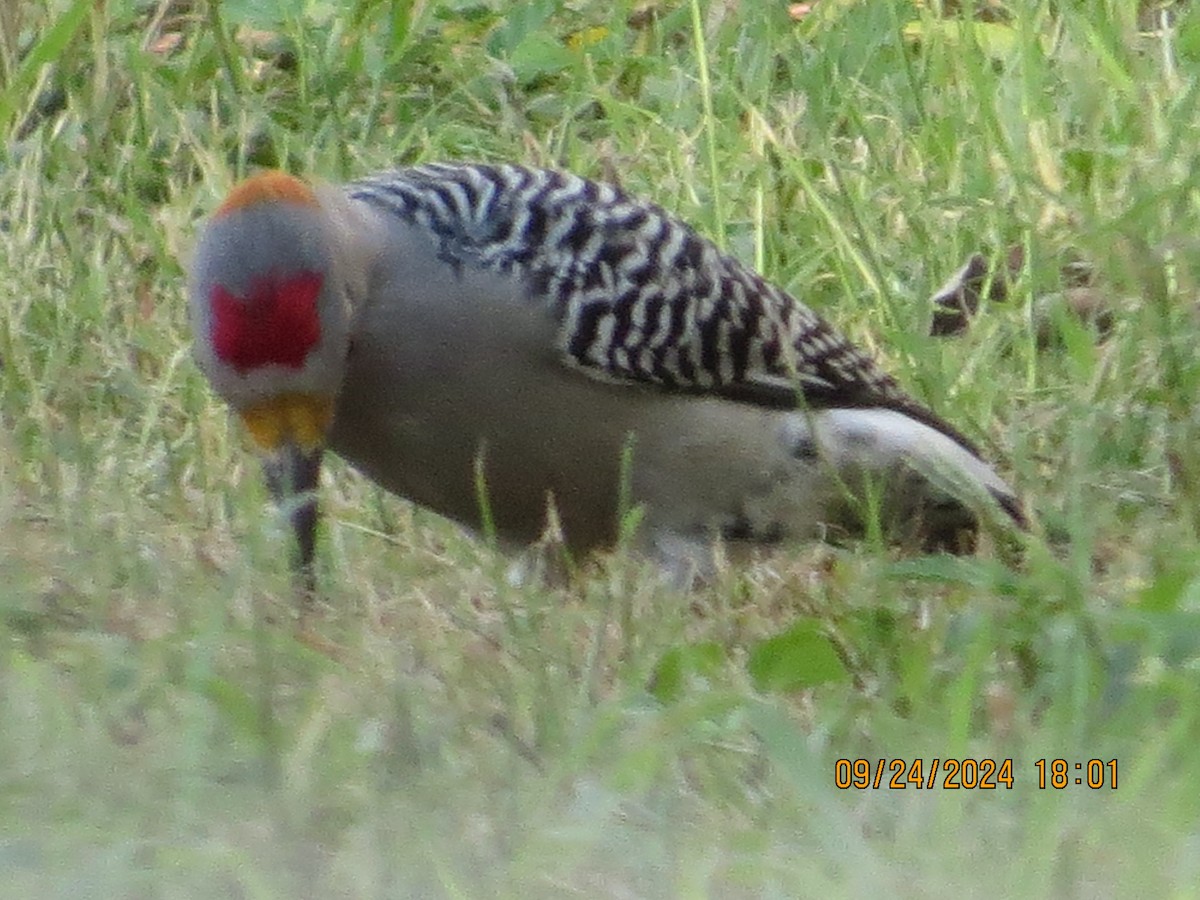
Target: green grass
(163,734)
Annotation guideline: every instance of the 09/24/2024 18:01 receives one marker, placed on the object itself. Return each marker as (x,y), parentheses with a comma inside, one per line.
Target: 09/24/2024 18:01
(970,774)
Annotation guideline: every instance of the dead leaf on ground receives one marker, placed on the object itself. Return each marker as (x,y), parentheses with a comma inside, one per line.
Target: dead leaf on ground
(957,301)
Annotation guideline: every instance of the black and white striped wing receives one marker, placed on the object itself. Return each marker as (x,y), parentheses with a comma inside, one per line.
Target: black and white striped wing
(639,295)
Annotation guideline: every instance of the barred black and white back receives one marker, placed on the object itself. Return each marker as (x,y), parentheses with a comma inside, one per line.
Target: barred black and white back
(639,294)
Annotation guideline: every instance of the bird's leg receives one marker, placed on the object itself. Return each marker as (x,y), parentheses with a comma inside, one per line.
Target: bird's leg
(684,560)
(292,475)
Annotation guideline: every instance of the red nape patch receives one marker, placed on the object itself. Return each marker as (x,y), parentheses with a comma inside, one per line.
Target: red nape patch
(275,324)
(267,187)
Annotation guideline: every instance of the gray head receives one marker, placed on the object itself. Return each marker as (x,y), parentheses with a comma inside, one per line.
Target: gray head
(271,329)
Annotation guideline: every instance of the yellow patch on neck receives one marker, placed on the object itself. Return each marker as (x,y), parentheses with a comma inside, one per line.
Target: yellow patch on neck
(300,419)
(268,187)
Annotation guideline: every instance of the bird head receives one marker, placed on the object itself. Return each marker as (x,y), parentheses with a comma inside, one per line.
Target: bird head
(270,320)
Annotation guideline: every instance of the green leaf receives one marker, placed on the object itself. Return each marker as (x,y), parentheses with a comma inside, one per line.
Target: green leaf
(540,54)
(682,663)
(997,41)
(800,657)
(265,14)
(237,706)
(1168,590)
(978,574)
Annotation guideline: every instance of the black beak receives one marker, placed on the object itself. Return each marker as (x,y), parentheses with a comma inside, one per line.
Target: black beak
(292,475)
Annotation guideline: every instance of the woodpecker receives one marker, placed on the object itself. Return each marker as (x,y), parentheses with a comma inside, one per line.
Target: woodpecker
(495,341)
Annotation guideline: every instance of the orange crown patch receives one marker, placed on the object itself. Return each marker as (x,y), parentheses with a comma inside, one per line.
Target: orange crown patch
(267,187)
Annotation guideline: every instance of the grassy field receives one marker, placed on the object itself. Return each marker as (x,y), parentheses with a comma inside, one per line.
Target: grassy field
(164,734)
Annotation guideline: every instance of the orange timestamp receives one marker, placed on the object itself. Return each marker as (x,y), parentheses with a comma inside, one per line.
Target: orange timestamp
(969,774)
(1060,773)
(900,774)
